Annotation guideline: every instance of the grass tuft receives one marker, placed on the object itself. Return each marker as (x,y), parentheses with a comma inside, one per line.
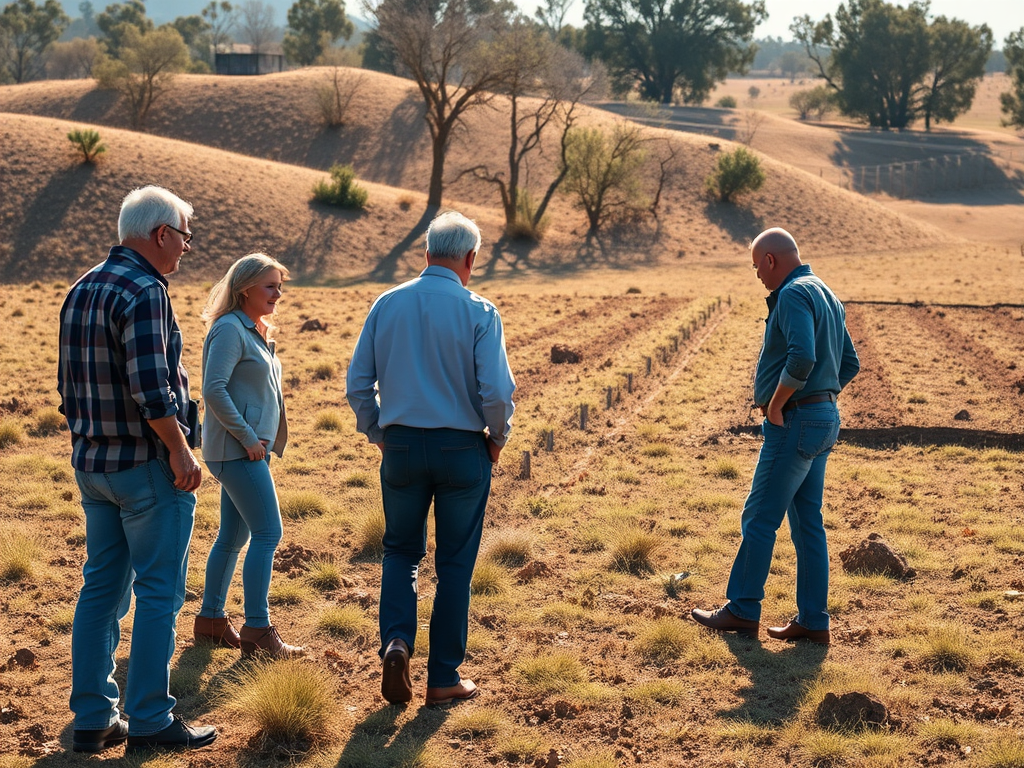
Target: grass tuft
(18,553)
(663,641)
(633,549)
(10,433)
(345,622)
(725,469)
(323,575)
(288,592)
(288,701)
(49,421)
(477,723)
(519,746)
(511,549)
(61,620)
(947,649)
(1006,752)
(553,672)
(296,505)
(602,759)
(490,579)
(329,421)
(370,542)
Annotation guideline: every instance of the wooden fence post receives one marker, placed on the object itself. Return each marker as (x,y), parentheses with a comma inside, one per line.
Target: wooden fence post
(583,416)
(648,365)
(629,383)
(524,473)
(549,441)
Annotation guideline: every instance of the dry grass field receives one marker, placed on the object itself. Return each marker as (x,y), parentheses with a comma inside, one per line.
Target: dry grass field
(579,632)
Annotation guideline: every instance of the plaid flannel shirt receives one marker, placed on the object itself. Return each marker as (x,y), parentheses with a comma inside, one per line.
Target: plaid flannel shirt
(120,364)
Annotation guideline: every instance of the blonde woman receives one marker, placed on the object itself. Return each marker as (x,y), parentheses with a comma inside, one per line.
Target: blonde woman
(245,422)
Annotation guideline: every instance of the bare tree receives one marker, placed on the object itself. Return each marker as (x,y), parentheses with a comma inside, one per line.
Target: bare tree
(443,46)
(222,17)
(552,15)
(256,24)
(558,79)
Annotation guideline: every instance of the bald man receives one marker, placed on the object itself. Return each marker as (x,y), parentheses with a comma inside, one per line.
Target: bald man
(806,360)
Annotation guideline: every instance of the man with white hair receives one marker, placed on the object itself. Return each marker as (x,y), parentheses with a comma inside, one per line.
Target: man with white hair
(125,395)
(434,353)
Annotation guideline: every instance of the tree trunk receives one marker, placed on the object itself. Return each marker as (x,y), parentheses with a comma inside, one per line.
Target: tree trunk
(440,148)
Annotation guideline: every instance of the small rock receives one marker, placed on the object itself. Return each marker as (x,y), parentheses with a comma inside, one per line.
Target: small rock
(560,353)
(313,324)
(533,570)
(25,659)
(962,415)
(851,711)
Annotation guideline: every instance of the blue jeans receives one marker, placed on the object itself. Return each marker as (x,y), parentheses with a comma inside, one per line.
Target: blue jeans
(452,468)
(790,478)
(136,521)
(248,507)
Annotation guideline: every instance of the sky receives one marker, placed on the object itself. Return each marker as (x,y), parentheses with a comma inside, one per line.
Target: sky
(1002,16)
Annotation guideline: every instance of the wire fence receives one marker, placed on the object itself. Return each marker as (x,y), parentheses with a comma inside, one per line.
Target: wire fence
(921,178)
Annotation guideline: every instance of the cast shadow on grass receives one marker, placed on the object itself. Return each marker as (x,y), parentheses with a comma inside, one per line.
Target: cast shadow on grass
(887,438)
(378,742)
(742,224)
(779,678)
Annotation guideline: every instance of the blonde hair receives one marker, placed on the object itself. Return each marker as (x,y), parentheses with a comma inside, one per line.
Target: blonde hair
(226,295)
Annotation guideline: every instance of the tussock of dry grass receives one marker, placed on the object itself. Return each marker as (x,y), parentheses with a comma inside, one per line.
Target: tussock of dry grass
(553,672)
(480,722)
(664,640)
(18,555)
(489,579)
(288,701)
(11,433)
(370,541)
(511,549)
(632,550)
(296,505)
(323,575)
(345,622)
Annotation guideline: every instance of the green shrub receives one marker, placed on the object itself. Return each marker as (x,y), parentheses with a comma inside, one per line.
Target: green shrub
(726,102)
(341,191)
(88,143)
(524,227)
(738,171)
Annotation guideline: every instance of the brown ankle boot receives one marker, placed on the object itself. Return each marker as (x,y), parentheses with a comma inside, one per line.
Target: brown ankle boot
(265,640)
(216,631)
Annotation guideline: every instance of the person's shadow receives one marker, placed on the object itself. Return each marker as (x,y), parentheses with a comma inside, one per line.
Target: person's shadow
(379,740)
(778,679)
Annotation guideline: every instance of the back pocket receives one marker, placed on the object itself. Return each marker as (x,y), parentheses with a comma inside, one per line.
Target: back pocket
(462,465)
(395,465)
(816,437)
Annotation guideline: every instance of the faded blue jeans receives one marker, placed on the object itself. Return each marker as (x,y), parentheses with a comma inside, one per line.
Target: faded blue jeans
(248,508)
(789,480)
(135,521)
(451,468)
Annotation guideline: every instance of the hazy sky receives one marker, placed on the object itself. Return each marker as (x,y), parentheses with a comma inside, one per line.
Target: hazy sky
(1002,16)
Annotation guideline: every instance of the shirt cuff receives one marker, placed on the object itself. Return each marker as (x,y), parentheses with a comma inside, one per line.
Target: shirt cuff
(786,380)
(152,414)
(375,435)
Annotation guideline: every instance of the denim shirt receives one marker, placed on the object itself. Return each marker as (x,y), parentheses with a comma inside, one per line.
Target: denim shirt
(806,343)
(432,355)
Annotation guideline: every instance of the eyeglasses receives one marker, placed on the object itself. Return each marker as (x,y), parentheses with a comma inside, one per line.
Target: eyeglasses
(186,236)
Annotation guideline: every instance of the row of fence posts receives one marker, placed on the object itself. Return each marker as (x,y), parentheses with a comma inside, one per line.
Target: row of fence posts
(613,395)
(918,177)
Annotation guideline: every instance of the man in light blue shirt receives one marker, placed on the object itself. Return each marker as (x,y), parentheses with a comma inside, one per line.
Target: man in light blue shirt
(431,386)
(806,360)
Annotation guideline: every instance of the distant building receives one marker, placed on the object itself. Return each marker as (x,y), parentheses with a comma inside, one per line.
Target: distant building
(240,60)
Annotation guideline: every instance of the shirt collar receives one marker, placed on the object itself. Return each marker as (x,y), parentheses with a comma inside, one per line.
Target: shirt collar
(244,319)
(773,298)
(124,253)
(437,271)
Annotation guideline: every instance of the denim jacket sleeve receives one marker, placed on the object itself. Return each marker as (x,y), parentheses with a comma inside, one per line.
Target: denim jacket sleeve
(796,321)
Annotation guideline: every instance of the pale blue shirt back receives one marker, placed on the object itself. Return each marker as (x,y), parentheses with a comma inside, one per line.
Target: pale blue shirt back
(432,355)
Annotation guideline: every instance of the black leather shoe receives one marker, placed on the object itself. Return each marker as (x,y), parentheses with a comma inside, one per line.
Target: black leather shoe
(177,735)
(794,631)
(395,683)
(97,741)
(725,620)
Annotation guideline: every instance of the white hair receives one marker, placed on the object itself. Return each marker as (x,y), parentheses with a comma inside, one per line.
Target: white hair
(147,208)
(451,236)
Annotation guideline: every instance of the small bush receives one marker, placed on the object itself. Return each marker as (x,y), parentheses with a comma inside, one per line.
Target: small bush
(524,228)
(88,143)
(344,622)
(737,172)
(341,191)
(726,102)
(632,550)
(296,505)
(10,433)
(288,701)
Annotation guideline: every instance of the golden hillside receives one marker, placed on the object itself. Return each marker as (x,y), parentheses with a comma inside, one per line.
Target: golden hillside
(244,150)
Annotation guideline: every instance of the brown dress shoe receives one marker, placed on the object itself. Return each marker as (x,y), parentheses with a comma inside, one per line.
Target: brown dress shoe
(395,683)
(794,631)
(266,641)
(216,631)
(725,620)
(464,689)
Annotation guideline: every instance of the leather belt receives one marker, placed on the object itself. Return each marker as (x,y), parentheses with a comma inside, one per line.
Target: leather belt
(828,397)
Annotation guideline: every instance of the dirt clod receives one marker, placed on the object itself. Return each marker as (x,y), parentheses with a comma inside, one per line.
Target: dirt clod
(560,353)
(852,711)
(313,324)
(875,556)
(963,415)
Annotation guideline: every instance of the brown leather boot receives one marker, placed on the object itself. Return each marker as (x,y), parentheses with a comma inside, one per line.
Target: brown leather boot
(265,640)
(216,631)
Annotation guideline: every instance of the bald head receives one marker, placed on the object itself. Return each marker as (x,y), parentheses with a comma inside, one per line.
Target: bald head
(774,254)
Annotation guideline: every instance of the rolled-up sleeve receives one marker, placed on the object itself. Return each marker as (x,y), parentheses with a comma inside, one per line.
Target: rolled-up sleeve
(494,379)
(849,365)
(145,332)
(361,385)
(796,320)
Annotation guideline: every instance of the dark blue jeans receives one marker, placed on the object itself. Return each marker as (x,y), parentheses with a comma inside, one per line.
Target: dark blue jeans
(451,468)
(789,480)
